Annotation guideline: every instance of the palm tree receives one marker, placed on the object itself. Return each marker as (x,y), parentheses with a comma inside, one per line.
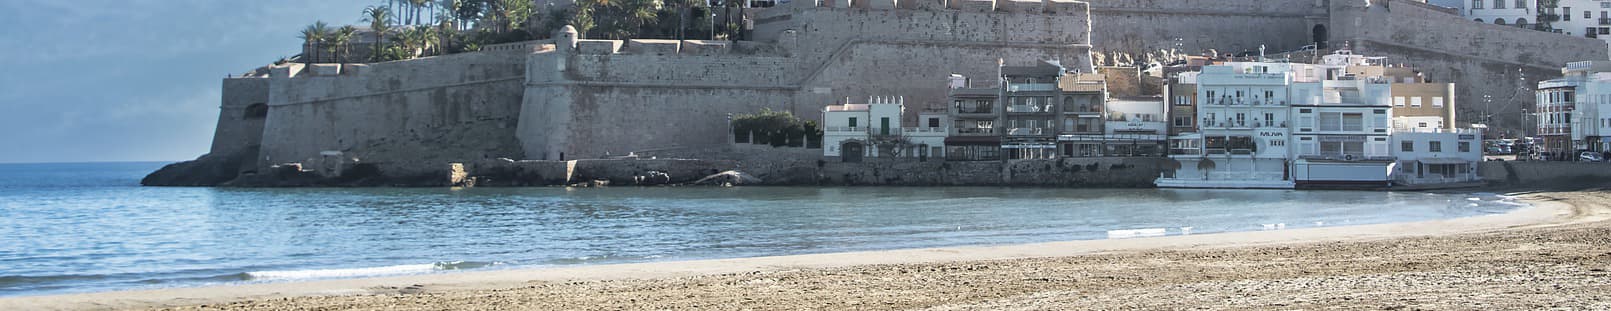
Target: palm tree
(314,36)
(418,6)
(582,18)
(379,19)
(341,42)
(515,12)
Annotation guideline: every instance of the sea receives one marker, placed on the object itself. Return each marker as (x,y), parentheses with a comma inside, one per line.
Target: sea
(90,227)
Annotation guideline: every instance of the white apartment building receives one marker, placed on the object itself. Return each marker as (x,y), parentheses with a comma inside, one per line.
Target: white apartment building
(1574,111)
(1243,135)
(852,132)
(1587,18)
(1343,123)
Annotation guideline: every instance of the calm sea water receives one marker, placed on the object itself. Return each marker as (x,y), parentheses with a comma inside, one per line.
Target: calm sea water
(91,227)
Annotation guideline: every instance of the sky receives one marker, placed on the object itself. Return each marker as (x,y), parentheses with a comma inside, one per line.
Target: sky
(135,80)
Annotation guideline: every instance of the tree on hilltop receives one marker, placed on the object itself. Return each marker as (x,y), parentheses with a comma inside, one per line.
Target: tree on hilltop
(379,19)
(314,37)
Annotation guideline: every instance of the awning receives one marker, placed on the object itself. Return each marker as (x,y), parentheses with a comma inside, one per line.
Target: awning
(1443,161)
(973,140)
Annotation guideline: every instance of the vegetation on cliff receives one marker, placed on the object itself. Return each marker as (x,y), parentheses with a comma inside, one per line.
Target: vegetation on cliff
(405,29)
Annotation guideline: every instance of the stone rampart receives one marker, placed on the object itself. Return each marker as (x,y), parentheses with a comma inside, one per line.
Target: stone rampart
(398,115)
(1144,26)
(243,108)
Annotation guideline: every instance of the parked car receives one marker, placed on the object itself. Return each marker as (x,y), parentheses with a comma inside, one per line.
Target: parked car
(1590,156)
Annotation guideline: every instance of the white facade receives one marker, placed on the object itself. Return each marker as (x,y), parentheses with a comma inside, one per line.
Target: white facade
(1243,118)
(1501,12)
(1576,109)
(1436,156)
(1584,18)
(875,130)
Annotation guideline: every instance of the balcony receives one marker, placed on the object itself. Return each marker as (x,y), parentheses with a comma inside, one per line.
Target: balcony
(844,129)
(1028,131)
(1229,123)
(1029,108)
(974,131)
(985,109)
(1031,87)
(1605,21)
(924,131)
(1185,151)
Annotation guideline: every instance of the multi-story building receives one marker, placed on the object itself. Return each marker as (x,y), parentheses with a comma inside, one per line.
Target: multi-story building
(1423,105)
(852,132)
(1181,94)
(1030,95)
(1029,112)
(1343,126)
(1572,111)
(1587,18)
(973,115)
(1136,127)
(1082,132)
(1242,115)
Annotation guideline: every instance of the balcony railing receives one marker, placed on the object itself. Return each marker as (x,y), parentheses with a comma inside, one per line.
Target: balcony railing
(974,131)
(1232,101)
(925,130)
(837,129)
(1605,21)
(1029,108)
(1026,131)
(1207,123)
(1031,87)
(977,109)
(1185,151)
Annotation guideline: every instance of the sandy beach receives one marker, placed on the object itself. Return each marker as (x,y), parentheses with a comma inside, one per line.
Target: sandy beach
(1553,255)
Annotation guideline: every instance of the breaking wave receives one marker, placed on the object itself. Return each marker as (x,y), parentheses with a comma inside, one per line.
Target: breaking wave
(366,272)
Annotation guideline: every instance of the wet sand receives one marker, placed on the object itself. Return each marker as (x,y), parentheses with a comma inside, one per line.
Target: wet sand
(1555,254)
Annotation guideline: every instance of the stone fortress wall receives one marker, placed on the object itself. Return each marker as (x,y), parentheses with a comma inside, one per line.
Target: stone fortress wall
(578,98)
(610,97)
(397,114)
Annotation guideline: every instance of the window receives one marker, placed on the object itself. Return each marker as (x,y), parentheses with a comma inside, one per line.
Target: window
(1465,146)
(1588,14)
(1421,125)
(1398,101)
(934,122)
(1353,122)
(1180,121)
(1499,4)
(1241,119)
(1437,102)
(1434,146)
(1477,4)
(1269,119)
(1566,13)
(1415,102)
(852,121)
(1407,146)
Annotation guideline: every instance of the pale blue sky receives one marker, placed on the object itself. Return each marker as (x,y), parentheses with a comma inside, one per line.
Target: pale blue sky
(135,80)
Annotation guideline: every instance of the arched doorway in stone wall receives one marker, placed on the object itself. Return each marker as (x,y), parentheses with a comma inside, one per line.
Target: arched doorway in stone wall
(1320,37)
